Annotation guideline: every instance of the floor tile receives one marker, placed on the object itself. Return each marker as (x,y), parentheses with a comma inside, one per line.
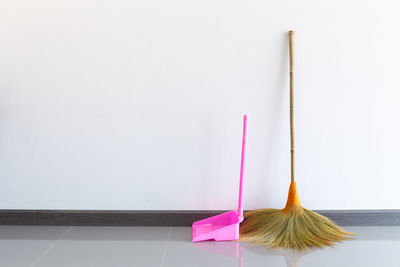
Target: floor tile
(182,252)
(21,246)
(180,236)
(348,254)
(99,256)
(370,248)
(177,256)
(21,253)
(355,253)
(116,236)
(390,232)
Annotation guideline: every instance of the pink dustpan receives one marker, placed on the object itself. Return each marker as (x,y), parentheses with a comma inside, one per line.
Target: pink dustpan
(225,226)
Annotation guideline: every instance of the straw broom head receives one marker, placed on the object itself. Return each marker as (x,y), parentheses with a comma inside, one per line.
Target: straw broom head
(294,226)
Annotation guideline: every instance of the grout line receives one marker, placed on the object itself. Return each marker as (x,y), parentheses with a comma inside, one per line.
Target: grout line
(51,246)
(166,246)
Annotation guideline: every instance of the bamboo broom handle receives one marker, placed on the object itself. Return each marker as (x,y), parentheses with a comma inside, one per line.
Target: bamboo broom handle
(292,148)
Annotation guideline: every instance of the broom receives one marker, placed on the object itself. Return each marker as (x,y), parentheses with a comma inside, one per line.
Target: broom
(294,226)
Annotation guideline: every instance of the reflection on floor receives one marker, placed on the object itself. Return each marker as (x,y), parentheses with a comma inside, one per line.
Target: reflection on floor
(170,246)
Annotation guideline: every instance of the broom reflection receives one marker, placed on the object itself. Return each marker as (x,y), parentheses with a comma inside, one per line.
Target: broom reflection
(292,257)
(236,250)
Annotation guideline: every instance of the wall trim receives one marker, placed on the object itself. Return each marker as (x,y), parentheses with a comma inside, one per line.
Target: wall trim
(172,217)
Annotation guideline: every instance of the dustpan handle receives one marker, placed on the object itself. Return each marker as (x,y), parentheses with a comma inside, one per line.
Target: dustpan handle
(240,207)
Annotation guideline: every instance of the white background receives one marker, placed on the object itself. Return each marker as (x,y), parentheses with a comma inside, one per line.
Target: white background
(138,104)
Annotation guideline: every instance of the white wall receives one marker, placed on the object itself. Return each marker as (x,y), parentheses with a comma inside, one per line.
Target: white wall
(119,104)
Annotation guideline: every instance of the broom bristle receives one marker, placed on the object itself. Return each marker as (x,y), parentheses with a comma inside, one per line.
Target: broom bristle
(292,227)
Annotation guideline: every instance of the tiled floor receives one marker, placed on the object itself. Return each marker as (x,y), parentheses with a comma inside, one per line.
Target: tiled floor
(42,246)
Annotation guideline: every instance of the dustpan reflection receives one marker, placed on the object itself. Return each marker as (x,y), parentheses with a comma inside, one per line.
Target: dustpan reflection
(229,249)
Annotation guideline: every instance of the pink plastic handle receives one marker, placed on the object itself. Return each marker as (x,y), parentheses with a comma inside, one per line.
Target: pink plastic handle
(240,207)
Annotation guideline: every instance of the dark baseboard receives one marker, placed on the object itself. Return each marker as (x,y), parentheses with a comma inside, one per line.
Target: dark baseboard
(172,218)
